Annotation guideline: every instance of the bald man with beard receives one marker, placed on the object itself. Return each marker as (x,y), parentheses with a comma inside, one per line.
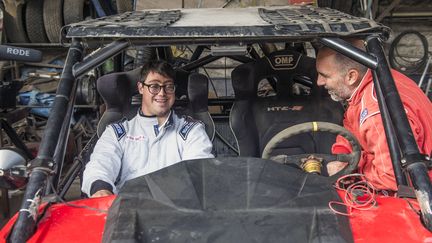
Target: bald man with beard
(349,81)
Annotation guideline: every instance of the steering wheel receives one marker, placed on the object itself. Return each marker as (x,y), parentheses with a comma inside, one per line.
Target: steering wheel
(352,159)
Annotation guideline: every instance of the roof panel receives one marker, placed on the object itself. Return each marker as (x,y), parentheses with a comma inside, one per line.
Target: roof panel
(214,25)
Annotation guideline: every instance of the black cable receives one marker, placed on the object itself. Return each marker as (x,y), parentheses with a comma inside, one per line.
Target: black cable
(411,66)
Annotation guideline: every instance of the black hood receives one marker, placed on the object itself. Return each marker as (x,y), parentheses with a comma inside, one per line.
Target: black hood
(226,200)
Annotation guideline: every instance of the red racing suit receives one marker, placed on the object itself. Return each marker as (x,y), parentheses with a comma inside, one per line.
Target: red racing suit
(363,119)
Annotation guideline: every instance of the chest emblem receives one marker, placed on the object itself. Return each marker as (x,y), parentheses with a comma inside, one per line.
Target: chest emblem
(363,115)
(119,130)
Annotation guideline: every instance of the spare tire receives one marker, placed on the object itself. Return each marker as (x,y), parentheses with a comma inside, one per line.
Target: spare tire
(35,22)
(73,11)
(13,21)
(53,19)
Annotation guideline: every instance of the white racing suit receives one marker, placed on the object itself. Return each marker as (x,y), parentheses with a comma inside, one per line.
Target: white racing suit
(130,149)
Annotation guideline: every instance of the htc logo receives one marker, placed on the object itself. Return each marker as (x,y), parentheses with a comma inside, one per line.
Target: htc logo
(285,108)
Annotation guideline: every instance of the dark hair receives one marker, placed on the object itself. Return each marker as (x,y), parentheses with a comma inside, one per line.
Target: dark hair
(158,66)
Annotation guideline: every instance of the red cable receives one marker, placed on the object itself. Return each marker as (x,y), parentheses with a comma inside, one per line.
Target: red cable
(359,194)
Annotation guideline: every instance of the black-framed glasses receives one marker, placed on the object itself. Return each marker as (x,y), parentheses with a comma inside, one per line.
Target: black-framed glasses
(156,88)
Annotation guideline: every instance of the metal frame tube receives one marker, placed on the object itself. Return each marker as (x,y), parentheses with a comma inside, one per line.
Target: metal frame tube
(15,138)
(242,59)
(197,53)
(26,221)
(424,71)
(392,100)
(60,151)
(200,62)
(392,142)
(99,57)
(70,176)
(78,164)
(210,58)
(414,162)
(350,51)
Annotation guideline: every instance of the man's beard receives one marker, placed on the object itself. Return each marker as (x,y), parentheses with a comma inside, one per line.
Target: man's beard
(334,96)
(341,93)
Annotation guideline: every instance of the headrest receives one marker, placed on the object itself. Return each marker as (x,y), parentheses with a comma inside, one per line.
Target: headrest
(244,81)
(284,66)
(116,89)
(198,92)
(198,101)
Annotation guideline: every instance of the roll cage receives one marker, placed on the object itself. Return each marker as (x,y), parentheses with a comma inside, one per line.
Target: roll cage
(231,27)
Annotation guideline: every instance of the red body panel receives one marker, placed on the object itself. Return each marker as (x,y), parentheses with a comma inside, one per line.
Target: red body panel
(392,220)
(63,223)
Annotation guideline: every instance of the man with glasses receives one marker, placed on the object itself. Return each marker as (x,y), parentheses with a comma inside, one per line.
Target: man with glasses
(155,138)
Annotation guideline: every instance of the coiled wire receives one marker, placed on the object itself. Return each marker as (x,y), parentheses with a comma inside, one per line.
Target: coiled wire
(408,66)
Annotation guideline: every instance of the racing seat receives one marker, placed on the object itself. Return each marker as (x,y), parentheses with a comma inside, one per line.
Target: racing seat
(198,102)
(255,120)
(117,91)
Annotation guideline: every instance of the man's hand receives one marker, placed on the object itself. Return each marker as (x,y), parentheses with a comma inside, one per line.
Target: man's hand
(334,167)
(102,193)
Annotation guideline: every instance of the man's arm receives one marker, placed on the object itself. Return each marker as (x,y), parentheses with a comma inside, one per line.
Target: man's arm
(198,144)
(376,162)
(104,165)
(380,167)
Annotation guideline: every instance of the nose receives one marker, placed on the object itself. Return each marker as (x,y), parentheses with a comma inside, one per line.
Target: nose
(320,81)
(162,91)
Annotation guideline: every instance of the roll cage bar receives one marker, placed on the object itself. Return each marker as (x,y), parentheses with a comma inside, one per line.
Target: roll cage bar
(407,161)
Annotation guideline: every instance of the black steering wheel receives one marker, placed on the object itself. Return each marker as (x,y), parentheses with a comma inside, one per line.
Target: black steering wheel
(352,159)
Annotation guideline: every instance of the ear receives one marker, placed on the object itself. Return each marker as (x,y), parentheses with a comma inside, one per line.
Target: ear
(352,76)
(140,87)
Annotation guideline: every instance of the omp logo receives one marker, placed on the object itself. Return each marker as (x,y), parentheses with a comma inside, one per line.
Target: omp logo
(287,60)
(285,108)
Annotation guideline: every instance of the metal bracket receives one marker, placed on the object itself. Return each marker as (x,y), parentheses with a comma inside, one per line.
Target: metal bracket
(42,164)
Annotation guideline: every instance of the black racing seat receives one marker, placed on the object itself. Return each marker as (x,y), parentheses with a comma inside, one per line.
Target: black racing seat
(198,102)
(255,120)
(118,89)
